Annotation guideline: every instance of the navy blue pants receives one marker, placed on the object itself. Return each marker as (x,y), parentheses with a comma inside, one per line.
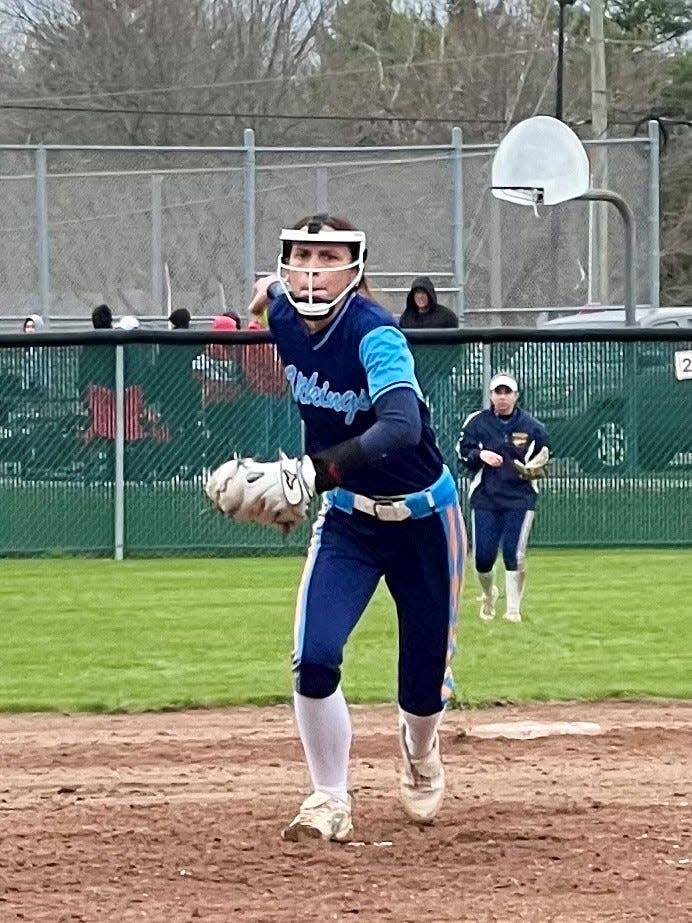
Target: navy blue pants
(493,529)
(421,561)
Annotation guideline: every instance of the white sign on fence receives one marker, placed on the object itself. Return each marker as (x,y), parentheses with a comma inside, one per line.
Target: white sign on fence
(683,364)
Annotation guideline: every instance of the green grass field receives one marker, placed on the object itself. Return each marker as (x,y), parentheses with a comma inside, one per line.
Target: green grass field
(82,635)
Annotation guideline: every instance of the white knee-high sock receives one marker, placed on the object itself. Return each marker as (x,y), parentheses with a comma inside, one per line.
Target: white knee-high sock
(486,580)
(324,726)
(420,732)
(514,581)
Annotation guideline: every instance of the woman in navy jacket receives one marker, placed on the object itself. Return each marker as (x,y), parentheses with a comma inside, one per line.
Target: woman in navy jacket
(505,450)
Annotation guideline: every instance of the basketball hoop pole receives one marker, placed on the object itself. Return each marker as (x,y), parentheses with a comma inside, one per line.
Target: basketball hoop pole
(606,195)
(627,215)
(542,160)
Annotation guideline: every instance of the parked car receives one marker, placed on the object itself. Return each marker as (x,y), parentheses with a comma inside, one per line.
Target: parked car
(616,406)
(615,317)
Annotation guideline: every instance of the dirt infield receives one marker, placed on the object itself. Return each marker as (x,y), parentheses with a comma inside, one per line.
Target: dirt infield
(175,817)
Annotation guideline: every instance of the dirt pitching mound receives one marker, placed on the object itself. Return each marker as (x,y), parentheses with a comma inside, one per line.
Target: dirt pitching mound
(176,817)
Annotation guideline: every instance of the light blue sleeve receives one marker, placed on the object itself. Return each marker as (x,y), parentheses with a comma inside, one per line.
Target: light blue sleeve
(388,363)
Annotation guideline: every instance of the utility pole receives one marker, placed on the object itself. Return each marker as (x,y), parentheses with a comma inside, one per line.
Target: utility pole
(598,215)
(559,75)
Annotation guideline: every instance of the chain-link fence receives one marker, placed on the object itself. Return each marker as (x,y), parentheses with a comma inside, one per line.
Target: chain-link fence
(106,440)
(85,225)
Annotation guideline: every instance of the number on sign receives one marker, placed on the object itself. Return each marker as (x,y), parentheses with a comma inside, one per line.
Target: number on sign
(683,365)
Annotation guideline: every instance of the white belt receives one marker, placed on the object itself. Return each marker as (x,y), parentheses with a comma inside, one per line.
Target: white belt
(417,505)
(384,510)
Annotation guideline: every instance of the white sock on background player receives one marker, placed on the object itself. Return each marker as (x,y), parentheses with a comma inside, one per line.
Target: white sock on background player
(420,732)
(486,581)
(324,726)
(514,582)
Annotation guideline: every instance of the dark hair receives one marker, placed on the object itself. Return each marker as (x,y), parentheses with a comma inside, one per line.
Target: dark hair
(337,224)
(102,317)
(180,318)
(235,317)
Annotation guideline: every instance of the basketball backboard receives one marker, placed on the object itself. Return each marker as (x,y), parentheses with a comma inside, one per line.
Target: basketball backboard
(540,161)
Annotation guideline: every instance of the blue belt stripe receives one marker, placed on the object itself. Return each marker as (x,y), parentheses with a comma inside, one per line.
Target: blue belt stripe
(443,492)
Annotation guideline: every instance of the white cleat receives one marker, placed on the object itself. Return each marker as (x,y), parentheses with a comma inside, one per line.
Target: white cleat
(422,782)
(488,603)
(512,616)
(321,817)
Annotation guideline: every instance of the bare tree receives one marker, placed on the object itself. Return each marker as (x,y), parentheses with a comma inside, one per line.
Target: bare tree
(134,61)
(344,71)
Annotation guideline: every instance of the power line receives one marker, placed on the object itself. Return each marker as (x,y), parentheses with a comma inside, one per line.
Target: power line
(187,113)
(293,79)
(304,117)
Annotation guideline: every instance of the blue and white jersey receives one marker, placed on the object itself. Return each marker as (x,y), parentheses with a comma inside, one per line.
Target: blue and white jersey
(518,437)
(337,375)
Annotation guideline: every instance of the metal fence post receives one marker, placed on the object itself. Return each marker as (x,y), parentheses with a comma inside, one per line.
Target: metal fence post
(156,244)
(458,221)
(322,191)
(487,373)
(495,262)
(119,474)
(654,216)
(249,181)
(42,251)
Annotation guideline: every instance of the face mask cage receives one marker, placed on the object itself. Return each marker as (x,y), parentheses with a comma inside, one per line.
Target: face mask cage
(308,306)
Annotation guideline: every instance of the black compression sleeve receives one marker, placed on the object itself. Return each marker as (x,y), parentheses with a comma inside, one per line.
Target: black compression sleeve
(332,465)
(398,426)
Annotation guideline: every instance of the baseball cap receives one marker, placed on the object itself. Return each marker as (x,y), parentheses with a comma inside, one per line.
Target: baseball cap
(502,378)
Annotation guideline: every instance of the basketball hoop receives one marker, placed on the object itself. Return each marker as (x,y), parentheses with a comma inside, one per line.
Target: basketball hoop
(540,162)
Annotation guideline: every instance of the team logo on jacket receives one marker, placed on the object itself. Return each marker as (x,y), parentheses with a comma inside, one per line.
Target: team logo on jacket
(519,440)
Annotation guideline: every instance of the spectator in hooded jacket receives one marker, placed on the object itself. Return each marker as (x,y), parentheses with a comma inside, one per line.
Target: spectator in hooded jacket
(33,324)
(34,360)
(423,311)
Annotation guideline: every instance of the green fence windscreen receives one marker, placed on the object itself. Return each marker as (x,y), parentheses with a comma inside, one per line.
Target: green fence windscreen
(620,424)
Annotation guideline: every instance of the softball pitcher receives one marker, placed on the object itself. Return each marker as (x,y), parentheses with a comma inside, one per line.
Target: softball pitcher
(390,509)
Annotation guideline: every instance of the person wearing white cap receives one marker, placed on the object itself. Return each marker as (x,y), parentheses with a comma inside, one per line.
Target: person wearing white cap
(505,450)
